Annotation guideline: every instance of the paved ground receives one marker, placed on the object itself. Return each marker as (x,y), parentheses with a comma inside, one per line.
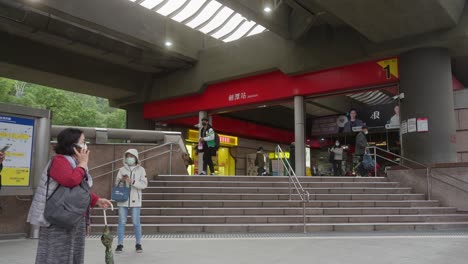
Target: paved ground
(399,248)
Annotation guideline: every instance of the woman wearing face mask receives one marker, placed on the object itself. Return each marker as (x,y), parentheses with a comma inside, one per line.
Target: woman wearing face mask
(338,158)
(133,176)
(69,168)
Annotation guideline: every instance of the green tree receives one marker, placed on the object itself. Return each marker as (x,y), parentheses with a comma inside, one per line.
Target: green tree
(68,108)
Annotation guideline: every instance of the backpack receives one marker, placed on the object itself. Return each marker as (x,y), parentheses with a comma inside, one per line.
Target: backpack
(216,141)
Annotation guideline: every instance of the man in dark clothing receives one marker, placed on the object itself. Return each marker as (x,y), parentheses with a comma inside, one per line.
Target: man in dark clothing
(207,136)
(260,162)
(361,144)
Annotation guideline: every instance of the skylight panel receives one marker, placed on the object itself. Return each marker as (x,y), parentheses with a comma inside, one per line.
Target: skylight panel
(150,3)
(170,7)
(240,31)
(229,27)
(257,30)
(189,10)
(218,20)
(206,14)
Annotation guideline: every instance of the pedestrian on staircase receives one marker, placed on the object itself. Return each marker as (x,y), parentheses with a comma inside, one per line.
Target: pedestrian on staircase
(260,162)
(336,152)
(132,175)
(361,145)
(207,138)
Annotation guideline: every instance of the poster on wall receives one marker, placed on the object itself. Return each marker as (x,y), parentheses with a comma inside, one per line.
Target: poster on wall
(17,134)
(423,124)
(404,127)
(412,127)
(385,115)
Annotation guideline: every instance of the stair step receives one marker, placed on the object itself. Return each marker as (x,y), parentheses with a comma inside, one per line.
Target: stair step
(288,211)
(277,190)
(284,219)
(262,196)
(269,178)
(290,227)
(286,203)
(271,184)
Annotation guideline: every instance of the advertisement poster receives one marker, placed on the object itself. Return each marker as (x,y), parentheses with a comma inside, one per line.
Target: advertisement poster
(385,115)
(423,124)
(404,127)
(16,133)
(412,127)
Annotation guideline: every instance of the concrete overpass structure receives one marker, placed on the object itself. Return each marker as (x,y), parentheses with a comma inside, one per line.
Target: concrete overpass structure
(117,49)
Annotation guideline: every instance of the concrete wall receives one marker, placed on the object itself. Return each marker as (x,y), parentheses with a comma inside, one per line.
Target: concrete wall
(448,183)
(461,118)
(14,210)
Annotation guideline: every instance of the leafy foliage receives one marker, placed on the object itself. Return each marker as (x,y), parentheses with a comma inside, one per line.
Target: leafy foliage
(68,108)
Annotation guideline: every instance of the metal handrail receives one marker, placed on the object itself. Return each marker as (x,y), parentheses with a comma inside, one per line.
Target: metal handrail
(293,180)
(428,169)
(141,152)
(170,151)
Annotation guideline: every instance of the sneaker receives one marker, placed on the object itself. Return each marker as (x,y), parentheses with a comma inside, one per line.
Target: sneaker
(119,249)
(212,174)
(138,248)
(202,173)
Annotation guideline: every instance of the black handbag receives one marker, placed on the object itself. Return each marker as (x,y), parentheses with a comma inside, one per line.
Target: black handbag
(67,206)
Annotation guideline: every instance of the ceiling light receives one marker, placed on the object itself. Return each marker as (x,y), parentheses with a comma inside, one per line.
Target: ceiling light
(267,9)
(168,43)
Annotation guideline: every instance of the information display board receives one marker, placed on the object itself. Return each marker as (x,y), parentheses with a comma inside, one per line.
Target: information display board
(17,133)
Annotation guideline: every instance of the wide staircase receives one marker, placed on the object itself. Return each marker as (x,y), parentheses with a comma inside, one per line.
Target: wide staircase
(220,204)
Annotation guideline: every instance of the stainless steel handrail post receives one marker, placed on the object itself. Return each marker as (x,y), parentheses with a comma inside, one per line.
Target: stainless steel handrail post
(375,162)
(429,187)
(170,162)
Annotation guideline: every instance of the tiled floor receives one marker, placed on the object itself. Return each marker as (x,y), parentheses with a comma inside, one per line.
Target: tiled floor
(382,248)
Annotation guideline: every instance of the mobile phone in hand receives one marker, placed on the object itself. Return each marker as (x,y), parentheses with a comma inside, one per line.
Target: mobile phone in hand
(78,148)
(5,148)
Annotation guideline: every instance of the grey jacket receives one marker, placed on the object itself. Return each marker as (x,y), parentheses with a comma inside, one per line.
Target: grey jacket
(36,212)
(361,144)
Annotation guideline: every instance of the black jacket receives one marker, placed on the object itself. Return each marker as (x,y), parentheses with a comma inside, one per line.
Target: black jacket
(361,144)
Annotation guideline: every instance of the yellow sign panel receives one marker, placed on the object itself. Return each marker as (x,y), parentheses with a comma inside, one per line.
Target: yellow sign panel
(390,67)
(273,155)
(224,140)
(15,176)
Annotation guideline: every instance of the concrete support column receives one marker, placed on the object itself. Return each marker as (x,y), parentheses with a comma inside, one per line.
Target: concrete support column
(299,135)
(201,115)
(426,81)
(135,118)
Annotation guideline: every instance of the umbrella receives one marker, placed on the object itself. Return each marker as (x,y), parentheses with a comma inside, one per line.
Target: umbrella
(107,239)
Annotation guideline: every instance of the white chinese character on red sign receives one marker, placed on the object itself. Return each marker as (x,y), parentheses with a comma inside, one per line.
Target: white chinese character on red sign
(237,96)
(231,97)
(243,95)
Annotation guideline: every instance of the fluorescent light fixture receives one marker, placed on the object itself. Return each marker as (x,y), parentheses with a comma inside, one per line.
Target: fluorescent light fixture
(267,9)
(168,43)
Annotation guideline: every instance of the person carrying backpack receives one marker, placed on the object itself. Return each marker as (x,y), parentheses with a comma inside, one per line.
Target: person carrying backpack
(208,138)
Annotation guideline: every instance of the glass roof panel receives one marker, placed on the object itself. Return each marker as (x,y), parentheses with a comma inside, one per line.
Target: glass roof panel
(150,3)
(209,10)
(258,29)
(218,20)
(170,7)
(189,10)
(240,31)
(207,16)
(230,26)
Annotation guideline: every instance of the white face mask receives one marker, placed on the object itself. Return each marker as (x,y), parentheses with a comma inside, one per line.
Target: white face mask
(366,132)
(337,143)
(130,161)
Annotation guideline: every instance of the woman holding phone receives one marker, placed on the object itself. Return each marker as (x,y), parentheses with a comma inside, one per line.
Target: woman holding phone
(132,175)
